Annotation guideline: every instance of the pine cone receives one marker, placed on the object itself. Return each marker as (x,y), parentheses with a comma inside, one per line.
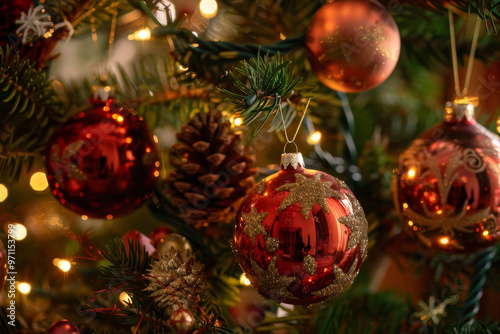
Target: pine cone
(211,171)
(176,281)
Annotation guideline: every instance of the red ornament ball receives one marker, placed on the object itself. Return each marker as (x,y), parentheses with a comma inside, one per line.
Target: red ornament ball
(182,321)
(447,184)
(63,327)
(300,235)
(353,45)
(135,237)
(158,235)
(103,162)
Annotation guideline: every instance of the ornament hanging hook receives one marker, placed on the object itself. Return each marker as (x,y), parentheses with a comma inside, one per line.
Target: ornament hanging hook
(288,141)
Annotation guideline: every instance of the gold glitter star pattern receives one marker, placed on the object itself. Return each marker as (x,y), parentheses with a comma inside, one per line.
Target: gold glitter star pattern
(261,186)
(307,191)
(358,225)
(341,283)
(272,244)
(309,264)
(271,283)
(253,224)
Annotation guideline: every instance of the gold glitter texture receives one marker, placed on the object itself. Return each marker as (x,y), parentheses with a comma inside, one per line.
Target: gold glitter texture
(272,244)
(261,187)
(358,225)
(270,282)
(341,282)
(308,191)
(309,264)
(253,224)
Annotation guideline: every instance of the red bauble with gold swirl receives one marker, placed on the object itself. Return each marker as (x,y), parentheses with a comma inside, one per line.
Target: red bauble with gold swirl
(300,235)
(447,185)
(353,45)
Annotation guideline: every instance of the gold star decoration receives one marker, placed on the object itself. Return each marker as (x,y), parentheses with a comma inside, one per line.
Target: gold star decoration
(358,225)
(261,186)
(307,191)
(272,244)
(271,283)
(341,283)
(253,223)
(309,264)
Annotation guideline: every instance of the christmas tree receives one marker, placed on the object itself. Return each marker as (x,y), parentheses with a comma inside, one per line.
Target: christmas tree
(140,190)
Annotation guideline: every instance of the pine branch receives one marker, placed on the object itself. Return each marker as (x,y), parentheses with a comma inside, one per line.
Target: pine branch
(263,85)
(29,110)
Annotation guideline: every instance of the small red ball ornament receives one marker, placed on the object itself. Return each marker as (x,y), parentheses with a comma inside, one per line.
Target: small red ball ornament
(63,327)
(103,162)
(182,321)
(300,235)
(447,185)
(353,45)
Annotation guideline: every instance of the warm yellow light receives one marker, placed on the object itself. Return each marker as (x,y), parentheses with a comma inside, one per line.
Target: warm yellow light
(410,223)
(38,181)
(24,288)
(109,217)
(156,173)
(405,206)
(183,68)
(238,121)
(85,217)
(20,232)
(314,138)
(439,212)
(444,240)
(56,261)
(128,140)
(119,119)
(244,280)
(411,173)
(486,233)
(125,298)
(64,265)
(142,35)
(155,138)
(208,8)
(3,193)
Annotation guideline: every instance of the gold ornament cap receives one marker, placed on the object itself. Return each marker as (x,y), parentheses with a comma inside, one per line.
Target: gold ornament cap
(292,159)
(459,110)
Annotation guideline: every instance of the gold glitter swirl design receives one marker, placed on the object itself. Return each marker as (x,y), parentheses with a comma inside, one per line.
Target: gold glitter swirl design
(308,191)
(253,223)
(341,282)
(261,186)
(272,244)
(309,264)
(358,225)
(270,282)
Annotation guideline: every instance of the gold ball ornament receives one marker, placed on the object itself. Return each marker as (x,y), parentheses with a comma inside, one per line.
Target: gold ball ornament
(176,241)
(353,45)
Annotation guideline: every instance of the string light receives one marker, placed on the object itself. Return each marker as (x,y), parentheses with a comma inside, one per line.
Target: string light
(238,121)
(208,8)
(411,173)
(141,35)
(314,138)
(24,288)
(64,265)
(486,233)
(125,298)
(244,280)
(444,240)
(3,193)
(20,232)
(38,181)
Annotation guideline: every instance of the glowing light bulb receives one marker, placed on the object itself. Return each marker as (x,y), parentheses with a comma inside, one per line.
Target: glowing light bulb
(314,138)
(64,265)
(238,121)
(20,232)
(38,181)
(142,34)
(486,233)
(244,280)
(24,288)
(85,217)
(444,240)
(208,8)
(3,193)
(411,173)
(410,223)
(125,298)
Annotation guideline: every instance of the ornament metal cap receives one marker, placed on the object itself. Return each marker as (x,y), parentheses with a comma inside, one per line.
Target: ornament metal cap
(292,159)
(459,110)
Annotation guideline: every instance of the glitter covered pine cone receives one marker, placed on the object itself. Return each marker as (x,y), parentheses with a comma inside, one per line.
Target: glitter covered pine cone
(176,281)
(211,170)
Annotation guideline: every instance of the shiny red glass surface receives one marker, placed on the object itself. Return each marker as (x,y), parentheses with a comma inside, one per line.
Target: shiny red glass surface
(103,162)
(321,236)
(353,46)
(447,186)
